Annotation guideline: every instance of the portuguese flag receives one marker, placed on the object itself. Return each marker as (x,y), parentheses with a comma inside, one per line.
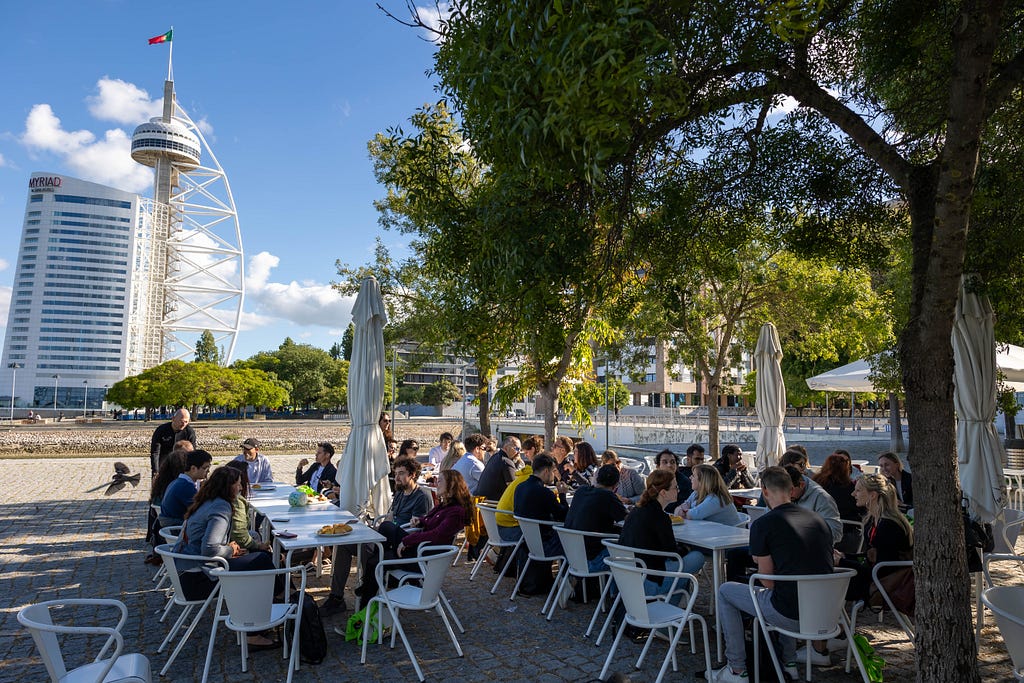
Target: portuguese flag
(165,38)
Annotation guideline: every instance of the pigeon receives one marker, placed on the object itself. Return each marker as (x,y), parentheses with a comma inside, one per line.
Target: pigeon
(121,477)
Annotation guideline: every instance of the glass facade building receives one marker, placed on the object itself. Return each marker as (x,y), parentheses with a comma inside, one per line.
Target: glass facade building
(68,324)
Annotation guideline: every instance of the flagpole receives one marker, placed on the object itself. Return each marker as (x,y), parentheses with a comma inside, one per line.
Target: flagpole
(170,56)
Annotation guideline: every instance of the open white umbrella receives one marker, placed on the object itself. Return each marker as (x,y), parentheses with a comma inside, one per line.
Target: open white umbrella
(364,467)
(771,397)
(979,449)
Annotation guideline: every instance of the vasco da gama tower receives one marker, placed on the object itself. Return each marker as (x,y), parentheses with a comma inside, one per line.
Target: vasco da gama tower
(109,283)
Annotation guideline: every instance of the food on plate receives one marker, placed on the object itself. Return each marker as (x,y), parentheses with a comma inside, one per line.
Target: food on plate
(676,519)
(335,529)
(256,487)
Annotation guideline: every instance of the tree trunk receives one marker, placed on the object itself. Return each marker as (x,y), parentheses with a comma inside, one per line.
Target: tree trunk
(485,412)
(895,426)
(713,394)
(549,391)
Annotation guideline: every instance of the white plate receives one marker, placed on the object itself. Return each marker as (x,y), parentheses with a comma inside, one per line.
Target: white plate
(260,488)
(343,533)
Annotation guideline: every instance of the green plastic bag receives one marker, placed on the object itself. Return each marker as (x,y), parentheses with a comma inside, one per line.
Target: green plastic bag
(355,625)
(873,663)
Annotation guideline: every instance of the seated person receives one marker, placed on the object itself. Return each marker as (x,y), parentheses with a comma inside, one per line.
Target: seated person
(560,450)
(710,499)
(206,534)
(500,470)
(585,464)
(534,500)
(259,466)
(241,513)
(409,501)
(668,461)
(437,527)
(321,474)
(787,540)
(648,527)
(890,538)
(631,485)
(471,464)
(180,493)
(891,466)
(733,469)
(597,508)
(171,468)
(835,477)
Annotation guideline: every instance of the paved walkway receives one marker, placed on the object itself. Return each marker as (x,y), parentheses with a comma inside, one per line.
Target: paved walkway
(60,539)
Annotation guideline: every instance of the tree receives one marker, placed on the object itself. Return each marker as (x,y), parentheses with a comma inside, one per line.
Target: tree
(305,368)
(440,393)
(912,86)
(335,351)
(346,341)
(206,349)
(410,394)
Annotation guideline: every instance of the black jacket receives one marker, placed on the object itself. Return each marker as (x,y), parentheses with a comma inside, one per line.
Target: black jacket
(533,500)
(162,443)
(330,474)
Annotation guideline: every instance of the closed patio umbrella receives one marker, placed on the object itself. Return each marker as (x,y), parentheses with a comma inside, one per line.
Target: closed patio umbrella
(979,449)
(364,467)
(771,397)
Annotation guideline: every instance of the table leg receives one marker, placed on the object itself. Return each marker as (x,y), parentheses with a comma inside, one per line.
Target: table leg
(717,580)
(288,583)
(276,545)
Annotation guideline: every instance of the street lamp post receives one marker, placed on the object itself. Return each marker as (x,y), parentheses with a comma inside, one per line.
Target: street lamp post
(14,376)
(85,398)
(607,445)
(394,370)
(56,378)
(465,368)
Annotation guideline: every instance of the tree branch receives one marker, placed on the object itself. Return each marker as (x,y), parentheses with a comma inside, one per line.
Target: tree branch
(1005,80)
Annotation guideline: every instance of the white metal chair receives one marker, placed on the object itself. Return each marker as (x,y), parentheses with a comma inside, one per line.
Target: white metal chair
(434,564)
(170,557)
(617,551)
(535,544)
(902,619)
(821,599)
(1005,530)
(1007,604)
(170,536)
(576,564)
(754,512)
(851,525)
(986,575)
(488,513)
(642,612)
(405,574)
(744,521)
(249,598)
(117,668)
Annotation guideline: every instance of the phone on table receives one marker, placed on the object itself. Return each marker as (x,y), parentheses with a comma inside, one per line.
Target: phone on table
(286,534)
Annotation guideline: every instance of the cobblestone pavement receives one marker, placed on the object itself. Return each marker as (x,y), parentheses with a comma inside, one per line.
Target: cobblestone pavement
(59,538)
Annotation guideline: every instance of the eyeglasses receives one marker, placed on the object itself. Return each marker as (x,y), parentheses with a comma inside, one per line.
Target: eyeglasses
(415,448)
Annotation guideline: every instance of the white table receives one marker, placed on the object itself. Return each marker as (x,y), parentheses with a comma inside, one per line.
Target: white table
(717,538)
(753,493)
(306,521)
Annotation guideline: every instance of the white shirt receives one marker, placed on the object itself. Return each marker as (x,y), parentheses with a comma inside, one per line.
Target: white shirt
(436,455)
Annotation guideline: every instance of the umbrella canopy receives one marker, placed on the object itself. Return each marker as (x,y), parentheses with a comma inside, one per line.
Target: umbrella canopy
(979,449)
(771,397)
(365,466)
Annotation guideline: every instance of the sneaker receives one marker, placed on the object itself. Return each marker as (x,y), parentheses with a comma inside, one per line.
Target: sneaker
(727,675)
(792,670)
(817,658)
(836,644)
(333,604)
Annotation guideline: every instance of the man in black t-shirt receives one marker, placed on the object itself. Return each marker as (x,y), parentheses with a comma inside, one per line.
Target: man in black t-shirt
(788,540)
(597,508)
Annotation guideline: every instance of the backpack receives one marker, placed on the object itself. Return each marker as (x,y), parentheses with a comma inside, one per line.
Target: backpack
(312,637)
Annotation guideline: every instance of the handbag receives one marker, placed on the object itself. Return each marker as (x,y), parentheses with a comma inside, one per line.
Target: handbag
(899,585)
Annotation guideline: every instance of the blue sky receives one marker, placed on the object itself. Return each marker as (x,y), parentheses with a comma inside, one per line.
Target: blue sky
(288,96)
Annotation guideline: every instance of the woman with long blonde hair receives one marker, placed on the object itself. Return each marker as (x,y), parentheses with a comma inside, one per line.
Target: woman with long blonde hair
(887,531)
(455,454)
(710,499)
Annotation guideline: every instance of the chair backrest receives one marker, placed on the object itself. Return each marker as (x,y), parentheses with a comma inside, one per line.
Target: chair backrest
(170,534)
(531,534)
(869,469)
(617,551)
(1005,530)
(821,598)
(744,520)
(629,579)
(39,622)
(249,596)
(488,513)
(754,511)
(575,547)
(1007,603)
(434,561)
(169,557)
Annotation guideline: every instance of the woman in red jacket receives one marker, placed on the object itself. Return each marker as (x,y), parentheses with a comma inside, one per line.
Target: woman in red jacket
(444,521)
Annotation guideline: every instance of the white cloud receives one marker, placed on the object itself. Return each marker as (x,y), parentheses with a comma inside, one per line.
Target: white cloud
(335,332)
(106,161)
(787,105)
(5,303)
(3,162)
(4,264)
(122,102)
(306,303)
(432,16)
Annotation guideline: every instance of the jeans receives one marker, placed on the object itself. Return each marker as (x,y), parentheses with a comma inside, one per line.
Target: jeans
(692,562)
(735,601)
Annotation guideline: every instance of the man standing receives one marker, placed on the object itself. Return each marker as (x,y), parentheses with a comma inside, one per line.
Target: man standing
(733,469)
(438,452)
(409,501)
(259,466)
(165,436)
(322,474)
(471,464)
(500,470)
(182,490)
(787,541)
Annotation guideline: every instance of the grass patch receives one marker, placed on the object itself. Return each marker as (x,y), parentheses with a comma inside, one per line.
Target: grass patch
(230,437)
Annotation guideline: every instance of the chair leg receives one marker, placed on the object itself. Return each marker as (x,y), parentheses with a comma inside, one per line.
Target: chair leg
(611,652)
(448,606)
(853,628)
(605,585)
(209,647)
(562,568)
(479,561)
(174,629)
(191,628)
(408,647)
(608,619)
(561,584)
(855,653)
(504,569)
(520,579)
(771,651)
(451,633)
(671,654)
